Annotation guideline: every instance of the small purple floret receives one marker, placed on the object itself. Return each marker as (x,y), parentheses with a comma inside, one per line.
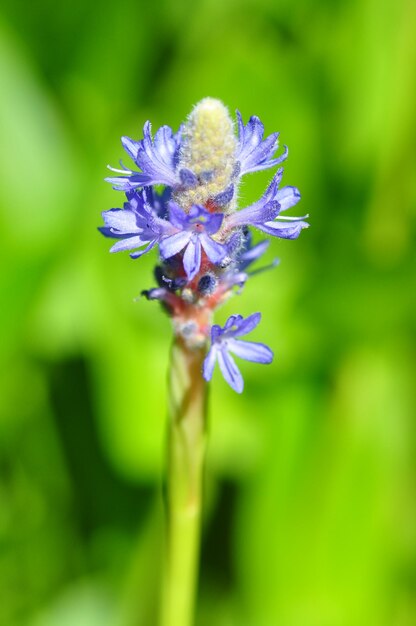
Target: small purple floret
(193,233)
(157,159)
(136,225)
(265,213)
(255,153)
(224,340)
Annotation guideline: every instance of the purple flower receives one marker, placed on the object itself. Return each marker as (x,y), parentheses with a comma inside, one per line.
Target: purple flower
(135,225)
(157,158)
(224,340)
(193,232)
(255,153)
(265,213)
(205,244)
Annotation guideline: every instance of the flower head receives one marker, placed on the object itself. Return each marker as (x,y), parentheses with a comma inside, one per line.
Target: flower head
(203,239)
(225,340)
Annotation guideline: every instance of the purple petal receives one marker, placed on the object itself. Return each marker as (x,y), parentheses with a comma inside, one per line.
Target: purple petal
(250,351)
(122,220)
(215,251)
(265,165)
(233,320)
(230,370)
(178,134)
(251,136)
(139,253)
(130,243)
(216,332)
(131,147)
(192,257)
(253,215)
(156,171)
(224,197)
(272,190)
(188,178)
(240,124)
(264,210)
(280,159)
(169,246)
(156,158)
(177,216)
(284,230)
(213,222)
(209,363)
(165,144)
(288,197)
(247,325)
(254,132)
(147,137)
(255,153)
(163,227)
(260,156)
(128,183)
(108,232)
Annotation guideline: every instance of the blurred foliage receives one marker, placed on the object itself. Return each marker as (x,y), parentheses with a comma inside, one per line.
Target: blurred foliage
(311,510)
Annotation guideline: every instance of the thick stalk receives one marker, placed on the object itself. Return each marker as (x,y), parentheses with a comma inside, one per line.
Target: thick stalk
(186,452)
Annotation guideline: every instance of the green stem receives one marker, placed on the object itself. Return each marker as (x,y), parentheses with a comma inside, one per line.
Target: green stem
(186,452)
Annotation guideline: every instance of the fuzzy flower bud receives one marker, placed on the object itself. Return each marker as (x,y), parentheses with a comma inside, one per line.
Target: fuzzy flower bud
(208,149)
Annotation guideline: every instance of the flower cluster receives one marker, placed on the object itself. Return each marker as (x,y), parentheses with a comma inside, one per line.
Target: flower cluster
(205,243)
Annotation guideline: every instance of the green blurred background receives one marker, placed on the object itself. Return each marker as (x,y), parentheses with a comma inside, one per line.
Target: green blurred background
(310,495)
